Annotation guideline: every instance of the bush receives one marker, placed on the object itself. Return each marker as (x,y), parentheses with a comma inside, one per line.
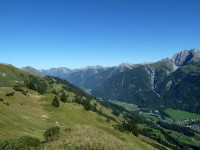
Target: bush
(68,130)
(54,92)
(86,104)
(116,112)
(29,141)
(1,99)
(55,102)
(51,134)
(63,98)
(108,120)
(119,127)
(23,143)
(16,88)
(132,127)
(10,94)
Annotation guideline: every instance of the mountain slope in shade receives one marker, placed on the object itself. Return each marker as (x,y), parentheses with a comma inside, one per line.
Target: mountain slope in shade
(90,78)
(167,83)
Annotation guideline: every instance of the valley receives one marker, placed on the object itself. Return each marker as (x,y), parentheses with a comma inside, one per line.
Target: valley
(174,117)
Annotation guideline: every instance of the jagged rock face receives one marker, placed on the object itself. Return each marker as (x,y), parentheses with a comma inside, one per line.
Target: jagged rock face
(186,56)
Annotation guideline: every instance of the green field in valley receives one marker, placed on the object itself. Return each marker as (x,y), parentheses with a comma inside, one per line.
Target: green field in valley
(127,106)
(180,115)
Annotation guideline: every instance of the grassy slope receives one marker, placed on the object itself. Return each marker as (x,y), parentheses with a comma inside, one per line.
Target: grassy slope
(37,114)
(10,75)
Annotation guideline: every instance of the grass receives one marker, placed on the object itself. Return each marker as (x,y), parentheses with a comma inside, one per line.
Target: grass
(180,115)
(181,137)
(153,118)
(127,106)
(33,114)
(86,137)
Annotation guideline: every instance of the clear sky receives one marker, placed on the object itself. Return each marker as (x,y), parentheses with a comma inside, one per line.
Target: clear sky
(78,33)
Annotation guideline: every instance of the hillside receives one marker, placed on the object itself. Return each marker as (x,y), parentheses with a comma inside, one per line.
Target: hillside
(26,109)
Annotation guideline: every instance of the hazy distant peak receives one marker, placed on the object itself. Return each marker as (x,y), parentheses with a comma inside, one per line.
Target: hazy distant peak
(32,71)
(93,67)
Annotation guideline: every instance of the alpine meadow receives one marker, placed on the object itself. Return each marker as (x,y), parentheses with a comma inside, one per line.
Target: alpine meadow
(99,75)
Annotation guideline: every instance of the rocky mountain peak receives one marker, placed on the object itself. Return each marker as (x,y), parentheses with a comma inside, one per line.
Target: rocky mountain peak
(182,58)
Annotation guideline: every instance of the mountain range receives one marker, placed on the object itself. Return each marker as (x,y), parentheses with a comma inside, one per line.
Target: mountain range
(173,83)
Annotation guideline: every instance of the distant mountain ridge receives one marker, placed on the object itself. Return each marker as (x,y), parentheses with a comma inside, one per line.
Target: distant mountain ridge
(87,77)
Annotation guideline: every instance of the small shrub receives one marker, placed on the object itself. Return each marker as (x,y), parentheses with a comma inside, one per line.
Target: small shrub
(63,98)
(68,130)
(7,104)
(23,143)
(16,88)
(10,94)
(55,102)
(132,127)
(1,99)
(119,127)
(54,92)
(116,112)
(108,120)
(51,134)
(86,105)
(100,111)
(29,141)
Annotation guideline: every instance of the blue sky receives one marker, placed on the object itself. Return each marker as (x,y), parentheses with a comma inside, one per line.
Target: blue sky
(78,33)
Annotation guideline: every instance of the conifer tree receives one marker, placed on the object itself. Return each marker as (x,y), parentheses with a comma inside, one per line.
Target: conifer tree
(55,102)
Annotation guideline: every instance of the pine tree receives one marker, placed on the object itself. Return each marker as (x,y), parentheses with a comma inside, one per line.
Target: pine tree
(63,97)
(55,102)
(132,127)
(31,85)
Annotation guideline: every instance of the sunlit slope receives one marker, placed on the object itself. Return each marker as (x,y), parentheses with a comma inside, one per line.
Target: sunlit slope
(28,110)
